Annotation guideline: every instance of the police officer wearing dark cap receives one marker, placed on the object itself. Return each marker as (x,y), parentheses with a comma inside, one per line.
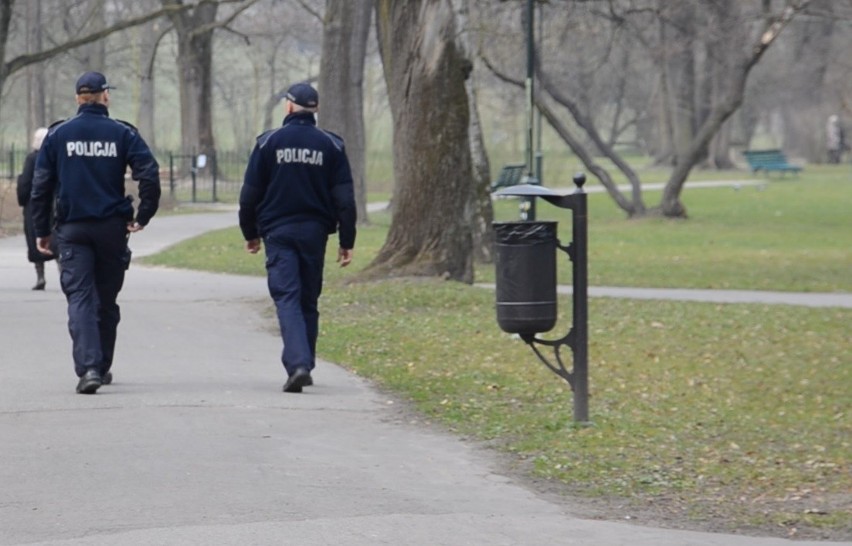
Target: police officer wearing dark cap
(296,192)
(81,167)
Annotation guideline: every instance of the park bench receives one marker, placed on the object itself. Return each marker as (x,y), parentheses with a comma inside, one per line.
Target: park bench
(510,175)
(769,160)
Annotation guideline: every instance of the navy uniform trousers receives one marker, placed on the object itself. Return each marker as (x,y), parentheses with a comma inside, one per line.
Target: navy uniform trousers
(295,254)
(93,256)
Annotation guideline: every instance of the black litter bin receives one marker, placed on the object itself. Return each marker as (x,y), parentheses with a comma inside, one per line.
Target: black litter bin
(526,276)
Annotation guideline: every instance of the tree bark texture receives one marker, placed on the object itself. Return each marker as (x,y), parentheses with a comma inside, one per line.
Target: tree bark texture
(6,9)
(151,34)
(346,28)
(425,72)
(680,69)
(195,61)
(35,74)
(483,234)
(94,53)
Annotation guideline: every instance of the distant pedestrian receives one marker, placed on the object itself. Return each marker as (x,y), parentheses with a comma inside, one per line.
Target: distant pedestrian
(24,188)
(81,166)
(835,139)
(297,190)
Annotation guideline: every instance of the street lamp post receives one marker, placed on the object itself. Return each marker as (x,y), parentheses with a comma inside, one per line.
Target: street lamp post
(528,203)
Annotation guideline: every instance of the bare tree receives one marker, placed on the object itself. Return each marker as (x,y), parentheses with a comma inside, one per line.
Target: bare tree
(19,62)
(194,27)
(818,46)
(425,71)
(278,47)
(346,26)
(669,32)
(732,95)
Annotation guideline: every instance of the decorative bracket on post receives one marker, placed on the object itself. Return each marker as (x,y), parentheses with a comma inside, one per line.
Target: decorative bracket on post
(578,336)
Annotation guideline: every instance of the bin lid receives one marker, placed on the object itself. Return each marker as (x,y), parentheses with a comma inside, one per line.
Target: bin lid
(532,190)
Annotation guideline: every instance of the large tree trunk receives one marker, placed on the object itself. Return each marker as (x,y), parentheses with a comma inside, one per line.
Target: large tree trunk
(804,104)
(151,34)
(715,71)
(719,154)
(94,54)
(36,84)
(664,149)
(483,234)
(341,84)
(195,62)
(425,71)
(680,68)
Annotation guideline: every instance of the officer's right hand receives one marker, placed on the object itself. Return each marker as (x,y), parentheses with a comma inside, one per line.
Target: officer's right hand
(253,246)
(344,256)
(43,245)
(133,227)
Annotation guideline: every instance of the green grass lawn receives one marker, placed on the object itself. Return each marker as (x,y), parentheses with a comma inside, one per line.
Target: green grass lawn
(740,415)
(795,234)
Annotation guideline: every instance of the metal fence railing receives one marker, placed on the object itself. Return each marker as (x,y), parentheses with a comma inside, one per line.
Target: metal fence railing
(11,164)
(202,178)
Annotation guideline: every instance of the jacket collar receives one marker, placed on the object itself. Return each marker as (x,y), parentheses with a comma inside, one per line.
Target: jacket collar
(99,109)
(300,118)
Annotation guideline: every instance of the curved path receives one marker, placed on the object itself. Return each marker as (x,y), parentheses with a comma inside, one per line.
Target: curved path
(195,444)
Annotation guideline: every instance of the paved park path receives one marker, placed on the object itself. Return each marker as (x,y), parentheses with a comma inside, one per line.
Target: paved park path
(195,444)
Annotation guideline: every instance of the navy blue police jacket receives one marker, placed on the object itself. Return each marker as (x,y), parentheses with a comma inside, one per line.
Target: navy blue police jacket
(81,167)
(298,173)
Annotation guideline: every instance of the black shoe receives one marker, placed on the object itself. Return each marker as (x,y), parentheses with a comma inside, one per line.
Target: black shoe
(107,378)
(309,381)
(90,382)
(298,380)
(39,285)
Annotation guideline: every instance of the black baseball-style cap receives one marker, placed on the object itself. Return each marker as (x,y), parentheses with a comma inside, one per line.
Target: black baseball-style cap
(303,94)
(92,82)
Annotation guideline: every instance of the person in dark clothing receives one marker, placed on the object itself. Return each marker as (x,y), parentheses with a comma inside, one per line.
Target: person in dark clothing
(24,187)
(81,166)
(297,191)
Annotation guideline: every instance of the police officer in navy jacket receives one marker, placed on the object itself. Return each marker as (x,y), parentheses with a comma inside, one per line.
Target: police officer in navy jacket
(81,167)
(296,192)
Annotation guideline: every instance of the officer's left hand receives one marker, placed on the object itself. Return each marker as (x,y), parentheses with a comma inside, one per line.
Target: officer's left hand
(43,245)
(133,227)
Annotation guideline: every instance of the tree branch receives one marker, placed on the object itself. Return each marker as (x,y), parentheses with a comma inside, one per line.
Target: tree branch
(149,72)
(224,22)
(22,61)
(311,10)
(573,143)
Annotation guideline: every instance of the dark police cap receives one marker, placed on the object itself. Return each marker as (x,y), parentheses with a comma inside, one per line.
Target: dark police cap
(92,82)
(303,94)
